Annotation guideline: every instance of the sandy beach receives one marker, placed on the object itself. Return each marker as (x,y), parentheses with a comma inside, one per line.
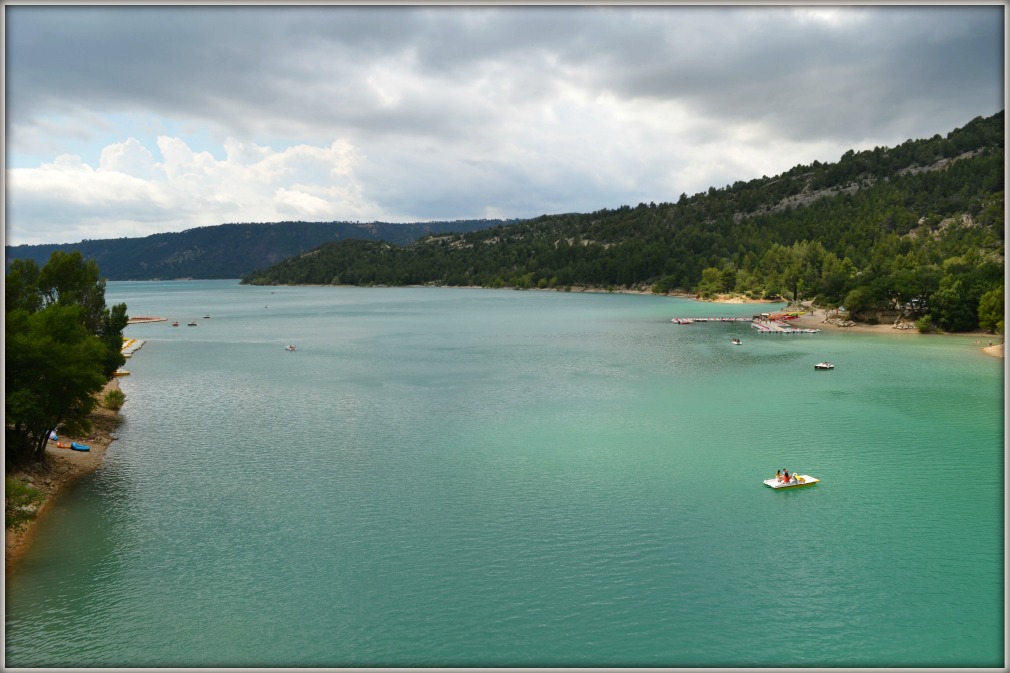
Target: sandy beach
(61,468)
(817,319)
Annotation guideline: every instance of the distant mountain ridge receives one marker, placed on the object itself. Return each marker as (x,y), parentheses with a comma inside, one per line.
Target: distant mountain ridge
(903,230)
(232,250)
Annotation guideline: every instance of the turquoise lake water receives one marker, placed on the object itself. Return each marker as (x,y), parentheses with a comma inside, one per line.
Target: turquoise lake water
(454,477)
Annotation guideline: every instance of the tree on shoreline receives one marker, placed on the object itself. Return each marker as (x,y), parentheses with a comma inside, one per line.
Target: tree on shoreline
(62,343)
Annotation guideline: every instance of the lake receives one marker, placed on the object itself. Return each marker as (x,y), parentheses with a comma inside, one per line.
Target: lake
(465,477)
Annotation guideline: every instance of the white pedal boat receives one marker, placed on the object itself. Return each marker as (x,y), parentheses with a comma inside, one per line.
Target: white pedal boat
(801,480)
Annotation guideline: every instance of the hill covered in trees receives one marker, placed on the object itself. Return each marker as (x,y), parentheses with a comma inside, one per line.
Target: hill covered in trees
(229,250)
(918,227)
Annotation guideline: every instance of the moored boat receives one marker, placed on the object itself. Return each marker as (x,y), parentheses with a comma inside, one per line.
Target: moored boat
(824,365)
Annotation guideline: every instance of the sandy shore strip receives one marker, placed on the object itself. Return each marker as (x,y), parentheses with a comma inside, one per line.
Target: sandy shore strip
(61,468)
(996,350)
(817,318)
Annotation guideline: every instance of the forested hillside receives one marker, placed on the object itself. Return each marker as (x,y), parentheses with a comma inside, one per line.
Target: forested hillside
(918,227)
(229,250)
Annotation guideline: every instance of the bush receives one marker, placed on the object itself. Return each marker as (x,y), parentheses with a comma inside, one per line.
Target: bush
(114,399)
(924,324)
(21,503)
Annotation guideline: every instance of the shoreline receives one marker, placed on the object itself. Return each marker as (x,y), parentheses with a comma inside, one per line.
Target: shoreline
(61,468)
(817,318)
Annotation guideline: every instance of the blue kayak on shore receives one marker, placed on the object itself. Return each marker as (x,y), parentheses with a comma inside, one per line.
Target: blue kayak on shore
(79,447)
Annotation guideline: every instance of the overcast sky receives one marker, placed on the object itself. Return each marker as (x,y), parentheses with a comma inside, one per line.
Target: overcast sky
(128,121)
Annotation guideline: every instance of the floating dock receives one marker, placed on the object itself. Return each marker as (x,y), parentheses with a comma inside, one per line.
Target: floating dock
(688,321)
(131,346)
(763,326)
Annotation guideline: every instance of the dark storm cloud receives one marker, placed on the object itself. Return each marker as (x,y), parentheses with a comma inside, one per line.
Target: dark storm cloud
(302,66)
(445,111)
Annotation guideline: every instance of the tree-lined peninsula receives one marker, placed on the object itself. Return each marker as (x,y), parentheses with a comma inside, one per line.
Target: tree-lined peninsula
(917,228)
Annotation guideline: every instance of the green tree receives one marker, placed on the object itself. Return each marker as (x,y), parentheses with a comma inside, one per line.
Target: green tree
(990,310)
(952,306)
(61,344)
(21,286)
(68,280)
(857,301)
(110,333)
(53,369)
(711,282)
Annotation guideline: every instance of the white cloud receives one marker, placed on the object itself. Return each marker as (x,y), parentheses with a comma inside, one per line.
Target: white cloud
(300,203)
(830,16)
(129,157)
(186,188)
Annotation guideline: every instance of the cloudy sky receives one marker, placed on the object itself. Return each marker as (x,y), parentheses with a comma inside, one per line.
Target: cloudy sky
(128,121)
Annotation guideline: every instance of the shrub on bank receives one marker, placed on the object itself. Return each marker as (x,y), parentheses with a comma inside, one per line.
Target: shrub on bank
(924,324)
(21,503)
(114,399)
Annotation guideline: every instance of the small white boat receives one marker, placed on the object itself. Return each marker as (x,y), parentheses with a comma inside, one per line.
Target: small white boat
(798,481)
(824,365)
(736,342)
(290,348)
(191,324)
